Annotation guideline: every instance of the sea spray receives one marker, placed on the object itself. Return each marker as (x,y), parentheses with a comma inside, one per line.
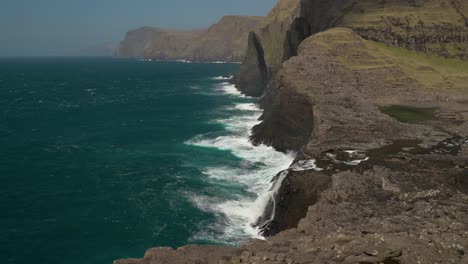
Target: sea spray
(239,214)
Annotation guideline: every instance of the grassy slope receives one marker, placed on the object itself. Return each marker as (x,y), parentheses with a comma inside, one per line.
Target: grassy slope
(369,13)
(434,19)
(395,17)
(432,71)
(273,32)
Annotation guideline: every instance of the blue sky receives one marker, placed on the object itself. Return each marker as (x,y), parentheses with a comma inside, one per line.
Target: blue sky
(61,27)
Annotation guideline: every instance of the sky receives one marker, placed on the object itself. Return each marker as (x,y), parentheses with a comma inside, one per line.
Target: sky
(63,27)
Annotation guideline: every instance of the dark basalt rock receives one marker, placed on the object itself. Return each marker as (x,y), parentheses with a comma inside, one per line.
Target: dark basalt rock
(252,77)
(298,191)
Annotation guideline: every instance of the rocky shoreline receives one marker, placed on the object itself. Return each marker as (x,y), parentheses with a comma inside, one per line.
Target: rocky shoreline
(381,132)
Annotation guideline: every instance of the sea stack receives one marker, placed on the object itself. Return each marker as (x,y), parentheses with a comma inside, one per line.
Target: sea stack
(252,77)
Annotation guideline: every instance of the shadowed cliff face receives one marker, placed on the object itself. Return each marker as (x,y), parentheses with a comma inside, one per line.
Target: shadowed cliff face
(224,41)
(252,77)
(336,80)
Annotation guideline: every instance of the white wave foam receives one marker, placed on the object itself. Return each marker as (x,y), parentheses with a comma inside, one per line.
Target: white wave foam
(247,107)
(221,78)
(258,167)
(304,165)
(184,61)
(352,154)
(230,89)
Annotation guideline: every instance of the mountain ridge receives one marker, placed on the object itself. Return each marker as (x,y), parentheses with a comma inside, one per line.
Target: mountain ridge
(225,40)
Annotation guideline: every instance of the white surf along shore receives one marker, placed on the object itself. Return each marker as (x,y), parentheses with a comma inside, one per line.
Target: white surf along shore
(259,165)
(261,172)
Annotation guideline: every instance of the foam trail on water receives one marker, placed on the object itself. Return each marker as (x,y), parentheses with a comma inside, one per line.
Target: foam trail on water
(230,89)
(255,172)
(222,78)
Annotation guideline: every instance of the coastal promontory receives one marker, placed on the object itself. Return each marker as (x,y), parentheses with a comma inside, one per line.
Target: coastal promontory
(372,96)
(223,41)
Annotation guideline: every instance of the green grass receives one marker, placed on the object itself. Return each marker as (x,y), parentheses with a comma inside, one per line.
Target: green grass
(367,13)
(432,71)
(407,114)
(438,63)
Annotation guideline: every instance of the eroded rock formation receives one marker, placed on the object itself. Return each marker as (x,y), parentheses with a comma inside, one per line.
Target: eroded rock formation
(252,77)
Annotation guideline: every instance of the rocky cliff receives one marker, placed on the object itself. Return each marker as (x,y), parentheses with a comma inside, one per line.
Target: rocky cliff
(252,77)
(223,41)
(377,111)
(432,26)
(332,95)
(382,165)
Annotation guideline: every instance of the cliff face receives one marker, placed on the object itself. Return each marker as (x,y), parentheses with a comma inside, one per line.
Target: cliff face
(377,112)
(331,96)
(148,42)
(224,41)
(252,77)
(385,74)
(432,26)
(272,35)
(365,187)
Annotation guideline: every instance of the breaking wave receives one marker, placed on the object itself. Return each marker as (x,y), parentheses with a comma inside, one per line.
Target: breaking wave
(237,211)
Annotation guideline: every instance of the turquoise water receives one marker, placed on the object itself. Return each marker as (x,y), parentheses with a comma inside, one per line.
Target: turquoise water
(103,158)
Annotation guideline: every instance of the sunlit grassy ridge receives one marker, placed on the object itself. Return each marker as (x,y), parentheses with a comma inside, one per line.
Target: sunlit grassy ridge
(372,13)
(434,26)
(431,71)
(275,26)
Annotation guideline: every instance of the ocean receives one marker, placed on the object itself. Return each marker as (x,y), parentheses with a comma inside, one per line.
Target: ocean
(101,159)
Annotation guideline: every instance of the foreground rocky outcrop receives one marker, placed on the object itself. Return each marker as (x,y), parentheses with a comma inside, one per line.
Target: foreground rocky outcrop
(223,41)
(338,82)
(365,186)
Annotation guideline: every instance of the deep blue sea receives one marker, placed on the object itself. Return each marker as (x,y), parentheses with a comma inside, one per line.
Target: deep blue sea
(102,159)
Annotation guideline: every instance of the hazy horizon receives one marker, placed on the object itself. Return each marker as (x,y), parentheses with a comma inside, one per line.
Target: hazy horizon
(64,28)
